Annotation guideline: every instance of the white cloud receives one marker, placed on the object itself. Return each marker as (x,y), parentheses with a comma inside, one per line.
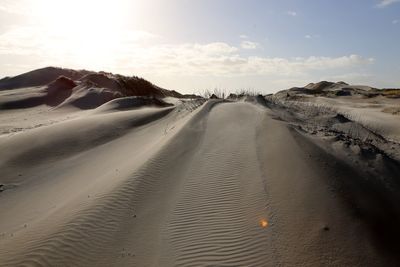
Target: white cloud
(395,21)
(249,45)
(311,36)
(15,7)
(220,59)
(243,36)
(33,40)
(292,13)
(134,53)
(353,77)
(284,66)
(164,64)
(385,3)
(22,41)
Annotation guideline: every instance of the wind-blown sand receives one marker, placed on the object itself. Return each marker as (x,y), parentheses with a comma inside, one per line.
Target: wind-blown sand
(183,184)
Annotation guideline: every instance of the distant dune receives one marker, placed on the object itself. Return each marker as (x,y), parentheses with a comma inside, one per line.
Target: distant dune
(40,77)
(99,169)
(72,88)
(332,89)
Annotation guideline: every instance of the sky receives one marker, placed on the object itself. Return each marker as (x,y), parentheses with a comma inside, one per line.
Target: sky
(195,45)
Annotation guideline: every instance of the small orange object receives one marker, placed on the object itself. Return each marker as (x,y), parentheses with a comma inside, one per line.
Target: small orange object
(264,223)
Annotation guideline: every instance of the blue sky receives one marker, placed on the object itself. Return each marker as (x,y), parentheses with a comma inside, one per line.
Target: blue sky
(190,45)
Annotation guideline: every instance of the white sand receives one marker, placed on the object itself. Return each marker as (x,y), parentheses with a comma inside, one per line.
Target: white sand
(172,187)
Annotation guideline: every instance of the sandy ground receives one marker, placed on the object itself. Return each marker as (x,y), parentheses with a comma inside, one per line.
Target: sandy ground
(186,185)
(380,113)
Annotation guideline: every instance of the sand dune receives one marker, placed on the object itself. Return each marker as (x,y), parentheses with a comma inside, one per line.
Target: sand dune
(39,77)
(57,87)
(144,181)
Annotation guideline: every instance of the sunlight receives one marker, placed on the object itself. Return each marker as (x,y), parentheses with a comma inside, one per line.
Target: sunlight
(88,31)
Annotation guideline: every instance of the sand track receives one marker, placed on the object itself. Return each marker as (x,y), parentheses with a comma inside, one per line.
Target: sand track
(217,215)
(175,190)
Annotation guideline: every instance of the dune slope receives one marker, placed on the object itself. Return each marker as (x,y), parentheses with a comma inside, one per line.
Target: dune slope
(226,184)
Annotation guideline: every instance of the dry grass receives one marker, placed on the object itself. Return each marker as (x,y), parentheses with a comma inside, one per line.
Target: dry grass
(246,92)
(392,110)
(224,93)
(207,93)
(393,93)
(309,115)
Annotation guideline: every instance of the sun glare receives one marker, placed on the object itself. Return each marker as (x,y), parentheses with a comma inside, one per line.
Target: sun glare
(87,31)
(264,223)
